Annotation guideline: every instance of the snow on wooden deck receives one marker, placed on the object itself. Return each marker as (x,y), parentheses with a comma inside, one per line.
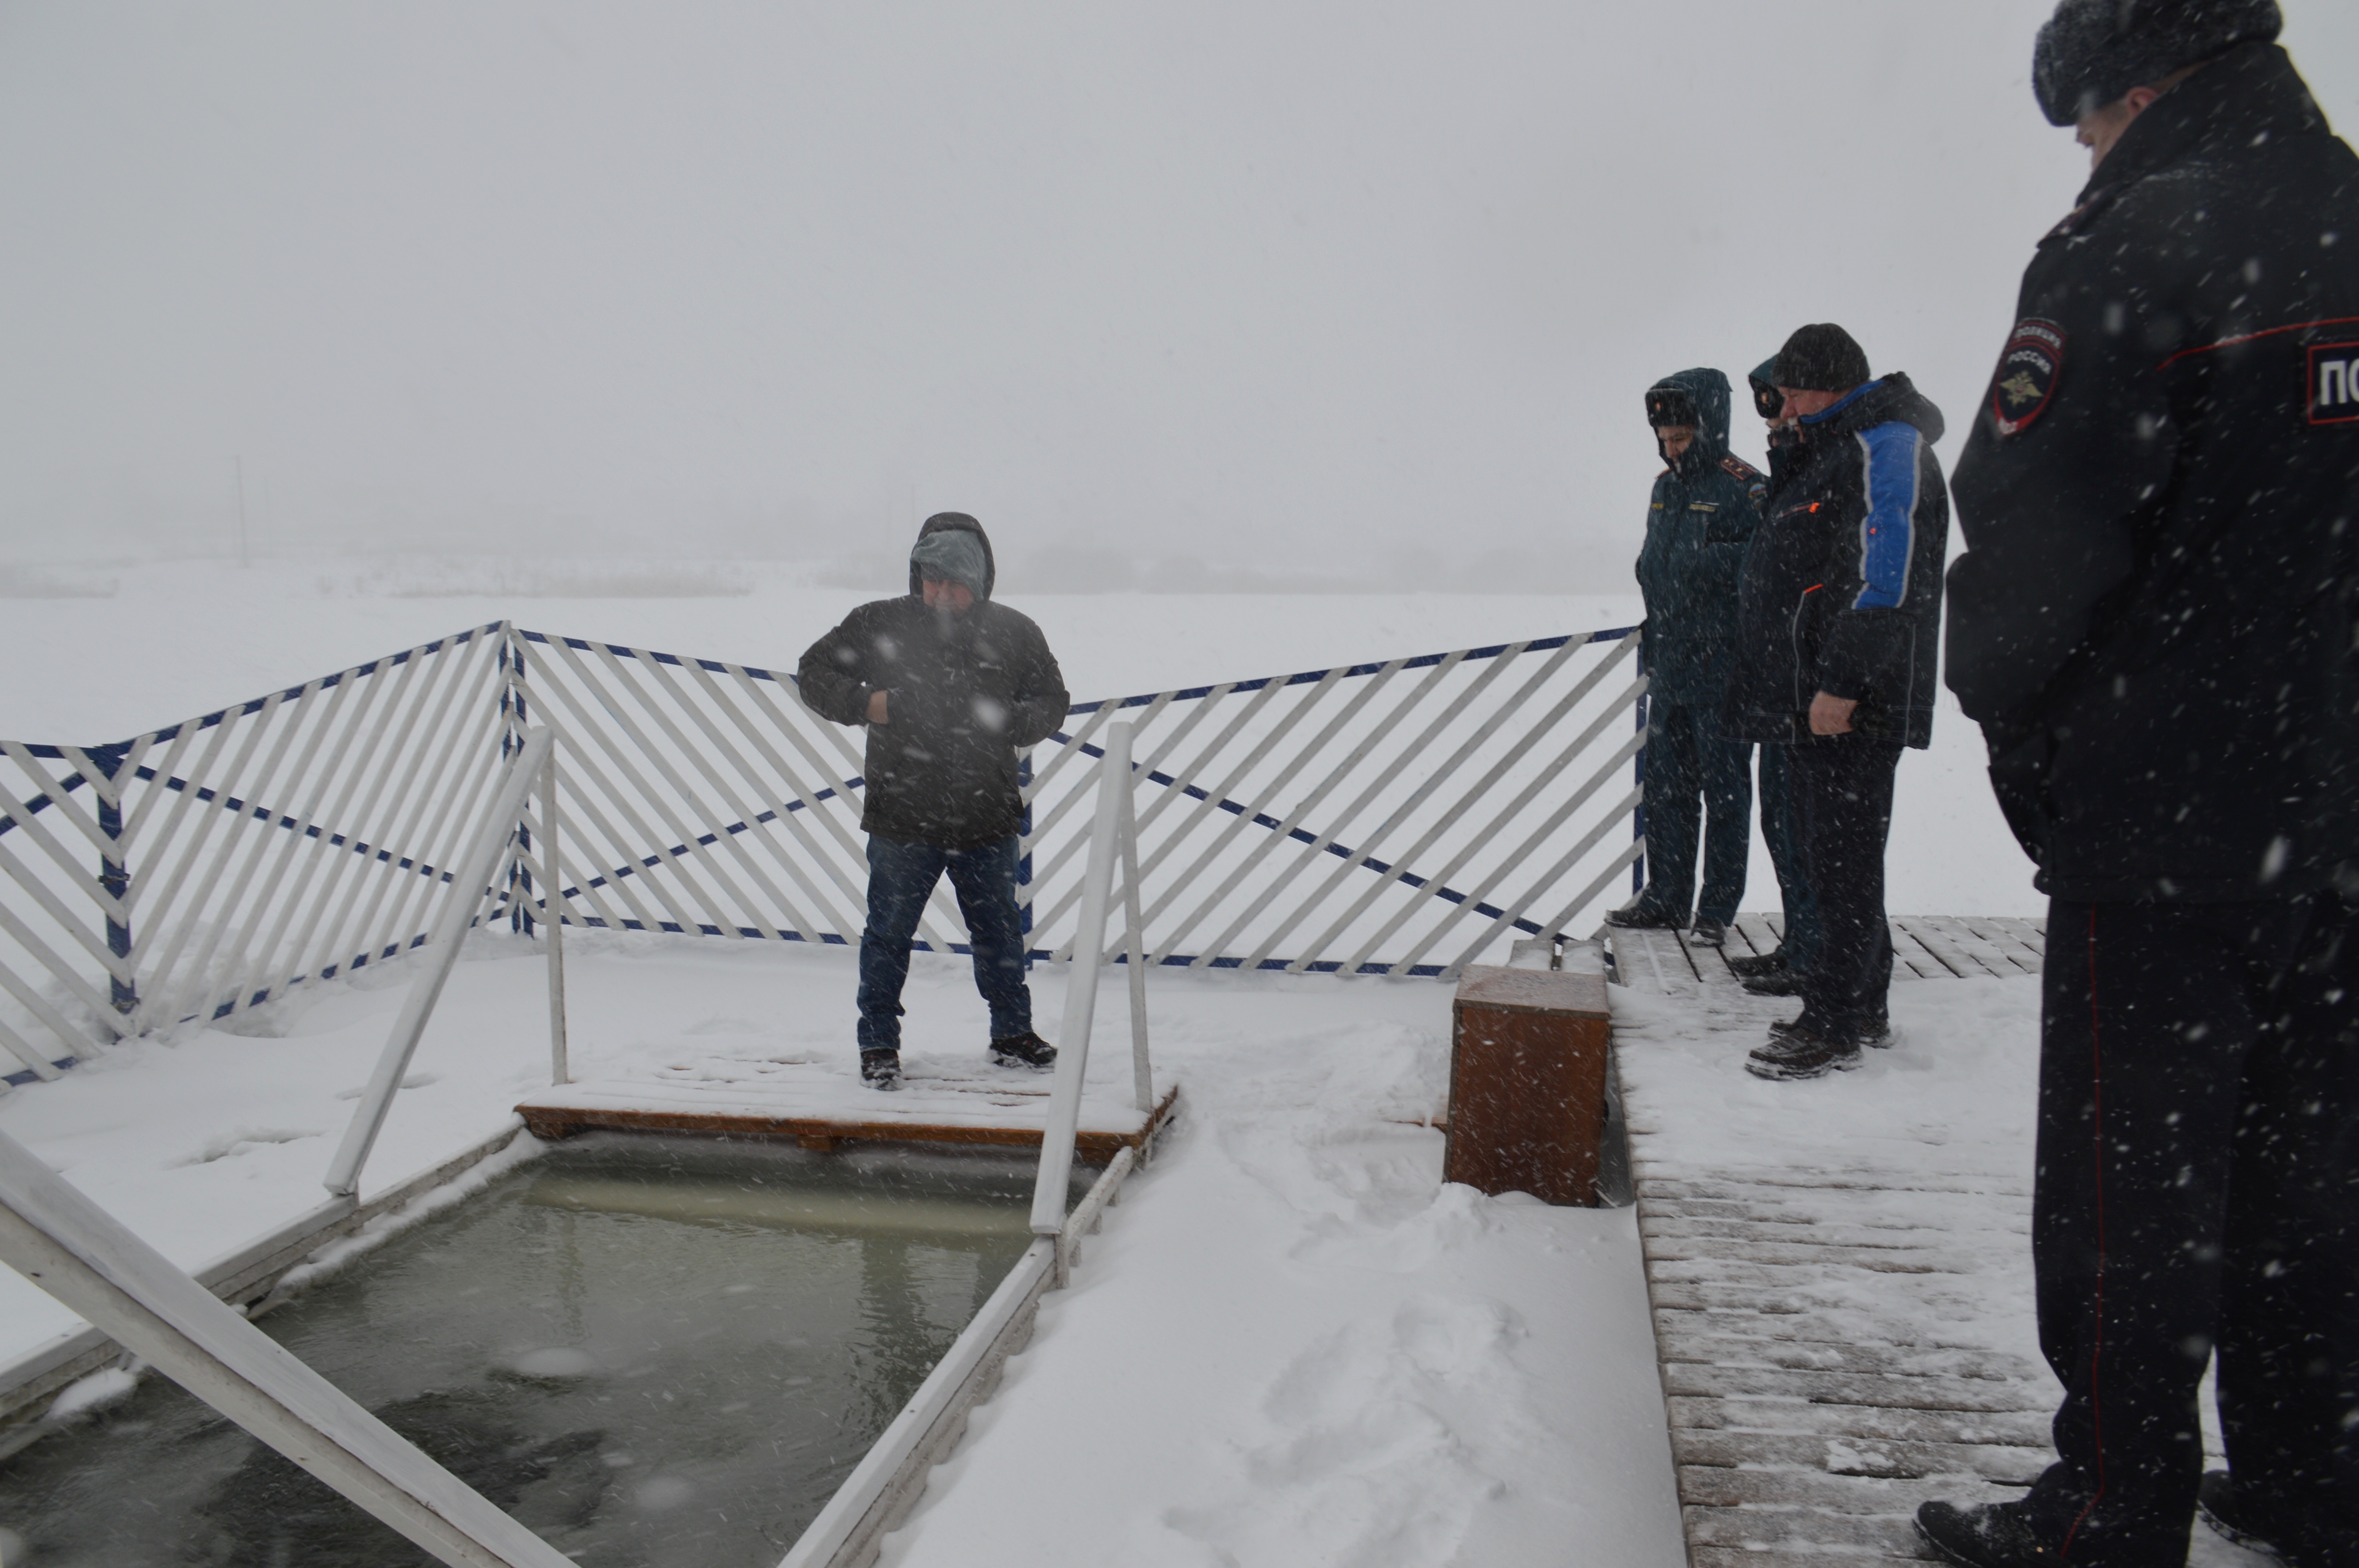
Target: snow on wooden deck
(1839,1270)
(816,1098)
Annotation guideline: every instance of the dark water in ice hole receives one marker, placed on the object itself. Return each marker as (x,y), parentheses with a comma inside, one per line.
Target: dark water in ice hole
(657,1352)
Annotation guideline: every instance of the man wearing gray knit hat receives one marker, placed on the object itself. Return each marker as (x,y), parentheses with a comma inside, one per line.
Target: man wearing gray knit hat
(2153,623)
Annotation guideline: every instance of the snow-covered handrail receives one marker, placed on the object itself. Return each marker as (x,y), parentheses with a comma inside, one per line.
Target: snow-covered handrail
(1112,831)
(497,828)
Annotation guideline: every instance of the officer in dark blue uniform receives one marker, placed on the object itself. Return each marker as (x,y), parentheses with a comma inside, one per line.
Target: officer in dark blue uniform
(2154,623)
(1700,520)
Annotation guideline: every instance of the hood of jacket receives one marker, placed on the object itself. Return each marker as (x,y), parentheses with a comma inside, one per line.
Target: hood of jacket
(941,520)
(1709,390)
(1886,400)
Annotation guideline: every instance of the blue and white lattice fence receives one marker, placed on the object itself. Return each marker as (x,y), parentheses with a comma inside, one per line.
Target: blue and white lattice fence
(1405,817)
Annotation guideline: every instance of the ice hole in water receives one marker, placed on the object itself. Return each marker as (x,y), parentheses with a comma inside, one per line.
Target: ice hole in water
(657,1351)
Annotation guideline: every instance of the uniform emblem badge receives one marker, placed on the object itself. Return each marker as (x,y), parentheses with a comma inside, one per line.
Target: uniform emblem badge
(2028,373)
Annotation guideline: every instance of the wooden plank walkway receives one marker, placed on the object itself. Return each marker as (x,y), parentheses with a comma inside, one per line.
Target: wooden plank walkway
(820,1102)
(1828,1356)
(1924,947)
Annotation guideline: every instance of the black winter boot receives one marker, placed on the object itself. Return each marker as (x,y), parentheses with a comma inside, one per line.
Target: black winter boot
(1748,964)
(1639,917)
(1025,1050)
(1876,1032)
(2215,1502)
(1797,1053)
(1992,1536)
(881,1070)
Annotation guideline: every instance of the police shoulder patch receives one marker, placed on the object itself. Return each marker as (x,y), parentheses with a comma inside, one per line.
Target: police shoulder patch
(2028,373)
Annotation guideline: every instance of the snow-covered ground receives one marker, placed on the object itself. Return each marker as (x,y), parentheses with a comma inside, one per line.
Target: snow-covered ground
(1292,1344)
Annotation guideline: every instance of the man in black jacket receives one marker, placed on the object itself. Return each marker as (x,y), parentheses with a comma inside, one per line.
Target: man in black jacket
(950,685)
(1836,625)
(2154,623)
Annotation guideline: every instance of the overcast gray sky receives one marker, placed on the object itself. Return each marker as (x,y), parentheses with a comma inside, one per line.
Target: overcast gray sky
(1296,287)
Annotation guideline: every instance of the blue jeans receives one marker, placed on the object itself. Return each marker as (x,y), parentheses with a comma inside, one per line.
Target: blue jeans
(901,877)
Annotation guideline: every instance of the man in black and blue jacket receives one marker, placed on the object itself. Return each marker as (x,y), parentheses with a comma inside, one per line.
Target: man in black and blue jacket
(1838,648)
(1699,522)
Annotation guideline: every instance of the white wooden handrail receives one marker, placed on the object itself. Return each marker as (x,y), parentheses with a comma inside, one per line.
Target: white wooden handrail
(1107,829)
(471,881)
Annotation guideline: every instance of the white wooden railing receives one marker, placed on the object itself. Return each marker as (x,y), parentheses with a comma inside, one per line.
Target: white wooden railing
(1397,818)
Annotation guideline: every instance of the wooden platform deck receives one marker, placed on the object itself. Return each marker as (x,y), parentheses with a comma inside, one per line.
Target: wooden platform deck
(820,1103)
(1924,947)
(1826,1347)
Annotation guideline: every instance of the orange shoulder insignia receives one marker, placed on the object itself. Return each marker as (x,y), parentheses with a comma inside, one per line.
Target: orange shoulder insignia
(1739,469)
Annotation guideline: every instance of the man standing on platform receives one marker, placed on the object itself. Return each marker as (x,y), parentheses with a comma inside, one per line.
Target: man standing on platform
(2154,621)
(1837,648)
(950,684)
(1705,505)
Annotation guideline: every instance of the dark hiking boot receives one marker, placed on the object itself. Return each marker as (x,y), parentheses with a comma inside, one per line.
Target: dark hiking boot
(1878,1033)
(2215,1501)
(1639,917)
(1779,982)
(881,1070)
(1751,964)
(1708,933)
(1025,1050)
(1992,1536)
(1798,1053)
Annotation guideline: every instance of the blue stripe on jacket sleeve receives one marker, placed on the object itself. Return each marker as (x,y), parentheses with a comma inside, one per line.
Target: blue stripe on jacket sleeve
(1887,533)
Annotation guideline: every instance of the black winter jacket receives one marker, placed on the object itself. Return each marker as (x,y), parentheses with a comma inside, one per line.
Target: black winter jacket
(1700,518)
(2154,619)
(1842,586)
(965,693)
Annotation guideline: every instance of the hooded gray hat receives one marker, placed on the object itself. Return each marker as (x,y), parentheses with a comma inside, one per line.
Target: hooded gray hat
(2093,51)
(952,555)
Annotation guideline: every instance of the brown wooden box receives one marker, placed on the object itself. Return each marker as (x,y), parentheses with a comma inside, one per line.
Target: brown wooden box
(1527,1065)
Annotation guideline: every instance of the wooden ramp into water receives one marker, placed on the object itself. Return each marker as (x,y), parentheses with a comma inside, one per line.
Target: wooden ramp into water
(820,1102)
(1824,1307)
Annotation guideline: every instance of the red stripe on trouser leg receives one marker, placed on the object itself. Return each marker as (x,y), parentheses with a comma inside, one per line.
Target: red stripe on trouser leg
(2097,1341)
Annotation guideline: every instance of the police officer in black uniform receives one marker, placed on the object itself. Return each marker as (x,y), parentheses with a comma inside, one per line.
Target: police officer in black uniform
(2154,623)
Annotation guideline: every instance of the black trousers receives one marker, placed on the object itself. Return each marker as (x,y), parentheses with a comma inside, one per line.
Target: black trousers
(1696,784)
(1841,806)
(2198,1189)
(1800,938)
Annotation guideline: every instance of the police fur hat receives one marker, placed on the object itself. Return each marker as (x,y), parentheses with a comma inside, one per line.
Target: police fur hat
(2093,51)
(1821,357)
